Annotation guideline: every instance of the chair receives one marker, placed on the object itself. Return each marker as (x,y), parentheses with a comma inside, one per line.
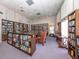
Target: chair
(42,38)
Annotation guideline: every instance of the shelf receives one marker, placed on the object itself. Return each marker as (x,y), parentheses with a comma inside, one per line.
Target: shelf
(72,20)
(72,32)
(73,29)
(71,26)
(23,42)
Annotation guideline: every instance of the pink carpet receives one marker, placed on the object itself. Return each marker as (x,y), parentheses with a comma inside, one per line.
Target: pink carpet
(49,51)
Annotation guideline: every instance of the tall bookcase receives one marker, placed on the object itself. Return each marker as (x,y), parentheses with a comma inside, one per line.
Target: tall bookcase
(18,36)
(7,26)
(73,29)
(23,42)
(38,28)
(15,27)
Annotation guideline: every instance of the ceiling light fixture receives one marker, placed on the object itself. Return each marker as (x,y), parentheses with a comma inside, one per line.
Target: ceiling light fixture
(29,2)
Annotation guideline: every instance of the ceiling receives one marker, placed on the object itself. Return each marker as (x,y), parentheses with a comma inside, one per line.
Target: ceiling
(40,8)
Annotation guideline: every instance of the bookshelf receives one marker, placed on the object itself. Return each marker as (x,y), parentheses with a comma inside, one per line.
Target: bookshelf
(11,26)
(73,29)
(23,42)
(7,26)
(16,27)
(38,28)
(18,36)
(25,28)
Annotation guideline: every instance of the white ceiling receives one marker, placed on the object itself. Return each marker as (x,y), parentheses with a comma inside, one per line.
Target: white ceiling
(44,7)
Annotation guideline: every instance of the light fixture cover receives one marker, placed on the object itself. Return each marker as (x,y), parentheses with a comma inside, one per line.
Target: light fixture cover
(38,13)
(1,12)
(29,2)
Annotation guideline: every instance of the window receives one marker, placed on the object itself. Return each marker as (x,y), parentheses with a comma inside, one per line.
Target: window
(51,30)
(64,30)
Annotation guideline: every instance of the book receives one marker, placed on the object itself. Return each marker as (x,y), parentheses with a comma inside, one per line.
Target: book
(78,51)
(15,37)
(77,41)
(10,35)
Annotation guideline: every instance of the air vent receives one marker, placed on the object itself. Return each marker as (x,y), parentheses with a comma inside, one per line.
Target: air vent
(29,2)
(38,13)
(1,12)
(22,10)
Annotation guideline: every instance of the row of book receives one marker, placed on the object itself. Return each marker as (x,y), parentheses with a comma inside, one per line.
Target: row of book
(38,28)
(10,26)
(72,23)
(19,41)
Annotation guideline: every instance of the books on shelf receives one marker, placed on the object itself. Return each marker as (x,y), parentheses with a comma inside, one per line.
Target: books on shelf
(10,35)
(78,51)
(23,37)
(25,28)
(70,23)
(27,43)
(77,41)
(16,28)
(17,44)
(4,22)
(36,28)
(73,27)
(29,37)
(73,43)
(15,37)
(23,47)
(73,23)
(72,52)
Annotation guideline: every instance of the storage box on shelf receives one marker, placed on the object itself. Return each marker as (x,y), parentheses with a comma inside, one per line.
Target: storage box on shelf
(73,29)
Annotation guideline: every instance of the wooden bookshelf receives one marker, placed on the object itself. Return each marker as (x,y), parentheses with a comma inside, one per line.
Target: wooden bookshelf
(38,28)
(11,26)
(7,26)
(17,35)
(23,42)
(73,29)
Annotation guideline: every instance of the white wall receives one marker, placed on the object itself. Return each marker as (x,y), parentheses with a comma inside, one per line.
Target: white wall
(57,20)
(68,6)
(76,4)
(11,15)
(49,20)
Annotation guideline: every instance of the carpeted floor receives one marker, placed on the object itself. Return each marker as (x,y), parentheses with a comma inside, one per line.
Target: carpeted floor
(49,51)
